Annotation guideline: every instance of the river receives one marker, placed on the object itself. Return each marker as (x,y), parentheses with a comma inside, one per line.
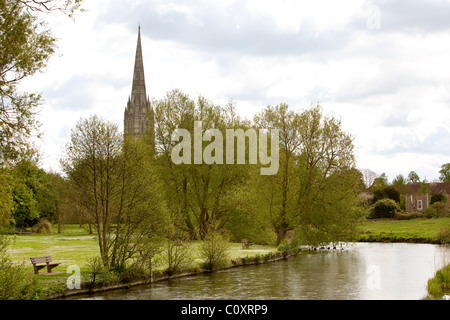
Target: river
(362,271)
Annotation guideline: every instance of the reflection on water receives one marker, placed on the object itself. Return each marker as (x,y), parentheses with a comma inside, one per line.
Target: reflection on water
(363,271)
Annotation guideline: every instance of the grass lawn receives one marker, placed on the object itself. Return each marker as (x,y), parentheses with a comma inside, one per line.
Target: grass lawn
(404,229)
(75,246)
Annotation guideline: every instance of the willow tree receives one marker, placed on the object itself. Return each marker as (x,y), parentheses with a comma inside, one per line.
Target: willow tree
(197,192)
(113,181)
(328,181)
(315,190)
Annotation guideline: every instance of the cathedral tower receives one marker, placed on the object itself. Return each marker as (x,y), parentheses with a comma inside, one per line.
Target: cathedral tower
(139,116)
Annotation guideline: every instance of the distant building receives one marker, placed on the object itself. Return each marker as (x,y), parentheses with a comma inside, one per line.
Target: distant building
(416,201)
(139,114)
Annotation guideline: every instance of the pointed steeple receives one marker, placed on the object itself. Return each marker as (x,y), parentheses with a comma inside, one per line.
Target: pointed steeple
(139,116)
(138,92)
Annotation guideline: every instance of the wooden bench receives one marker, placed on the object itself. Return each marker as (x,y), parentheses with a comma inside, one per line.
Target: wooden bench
(42,262)
(246,244)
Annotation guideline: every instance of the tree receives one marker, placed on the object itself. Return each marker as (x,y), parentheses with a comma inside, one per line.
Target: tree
(369,177)
(413,178)
(276,194)
(439,197)
(30,192)
(25,48)
(399,180)
(196,193)
(386,193)
(384,208)
(315,189)
(26,45)
(115,184)
(445,172)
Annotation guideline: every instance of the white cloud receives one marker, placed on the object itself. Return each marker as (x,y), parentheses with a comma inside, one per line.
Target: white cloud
(388,85)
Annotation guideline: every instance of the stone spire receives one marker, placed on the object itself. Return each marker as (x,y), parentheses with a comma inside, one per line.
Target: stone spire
(138,93)
(138,118)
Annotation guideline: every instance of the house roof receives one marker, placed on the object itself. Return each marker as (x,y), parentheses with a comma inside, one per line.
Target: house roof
(435,187)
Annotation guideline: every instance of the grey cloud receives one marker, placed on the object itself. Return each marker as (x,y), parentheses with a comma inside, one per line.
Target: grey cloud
(413,15)
(216,30)
(77,92)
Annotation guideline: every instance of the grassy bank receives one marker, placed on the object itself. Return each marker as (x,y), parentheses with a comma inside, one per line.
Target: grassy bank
(75,246)
(421,230)
(439,285)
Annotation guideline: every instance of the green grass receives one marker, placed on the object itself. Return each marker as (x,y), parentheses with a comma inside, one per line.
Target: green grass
(419,229)
(75,246)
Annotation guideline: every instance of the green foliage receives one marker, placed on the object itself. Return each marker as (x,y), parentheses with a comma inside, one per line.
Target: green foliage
(413,178)
(384,208)
(26,46)
(288,247)
(215,249)
(196,193)
(386,193)
(444,235)
(441,209)
(43,227)
(16,281)
(439,197)
(113,181)
(98,274)
(445,172)
(440,282)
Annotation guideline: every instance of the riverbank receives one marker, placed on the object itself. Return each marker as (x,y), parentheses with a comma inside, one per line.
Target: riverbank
(421,230)
(75,246)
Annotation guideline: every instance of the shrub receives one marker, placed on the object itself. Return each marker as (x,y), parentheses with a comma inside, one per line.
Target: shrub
(441,209)
(409,216)
(439,197)
(286,248)
(384,208)
(430,212)
(214,250)
(444,236)
(440,282)
(42,227)
(99,274)
(16,281)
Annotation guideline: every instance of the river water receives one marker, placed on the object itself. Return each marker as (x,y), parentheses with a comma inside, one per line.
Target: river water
(362,271)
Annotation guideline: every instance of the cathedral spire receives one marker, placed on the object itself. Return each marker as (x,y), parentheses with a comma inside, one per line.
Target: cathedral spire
(138,92)
(139,116)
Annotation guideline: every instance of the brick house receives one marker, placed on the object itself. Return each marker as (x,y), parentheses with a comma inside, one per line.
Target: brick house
(417,202)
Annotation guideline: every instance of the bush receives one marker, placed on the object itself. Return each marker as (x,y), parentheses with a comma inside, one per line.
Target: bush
(384,208)
(42,227)
(444,236)
(409,216)
(16,281)
(430,212)
(286,248)
(441,209)
(439,197)
(214,250)
(440,282)
(99,275)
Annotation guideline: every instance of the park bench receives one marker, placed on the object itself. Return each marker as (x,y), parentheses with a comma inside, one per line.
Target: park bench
(246,244)
(42,262)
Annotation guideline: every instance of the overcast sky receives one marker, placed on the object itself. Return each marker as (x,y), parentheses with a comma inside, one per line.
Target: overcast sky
(382,67)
